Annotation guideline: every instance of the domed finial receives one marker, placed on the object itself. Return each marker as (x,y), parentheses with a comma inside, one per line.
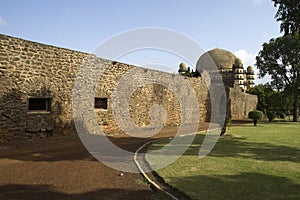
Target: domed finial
(182,67)
(238,62)
(250,69)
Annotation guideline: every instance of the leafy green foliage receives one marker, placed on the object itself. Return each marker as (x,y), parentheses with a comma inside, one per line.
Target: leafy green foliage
(187,73)
(272,101)
(271,115)
(288,15)
(255,115)
(280,59)
(282,116)
(261,91)
(279,102)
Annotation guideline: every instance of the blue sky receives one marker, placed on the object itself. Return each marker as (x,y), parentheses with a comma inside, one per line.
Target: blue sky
(240,26)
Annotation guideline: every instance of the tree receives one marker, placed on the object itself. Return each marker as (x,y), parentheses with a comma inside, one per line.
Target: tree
(271,115)
(261,92)
(270,101)
(279,102)
(288,14)
(226,124)
(280,58)
(255,115)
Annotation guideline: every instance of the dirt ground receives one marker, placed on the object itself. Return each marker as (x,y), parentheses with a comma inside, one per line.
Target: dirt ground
(60,167)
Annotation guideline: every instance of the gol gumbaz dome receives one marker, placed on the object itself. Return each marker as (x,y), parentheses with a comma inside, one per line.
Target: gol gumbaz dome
(222,59)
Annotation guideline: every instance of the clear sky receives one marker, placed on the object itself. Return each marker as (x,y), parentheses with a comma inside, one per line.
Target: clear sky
(240,26)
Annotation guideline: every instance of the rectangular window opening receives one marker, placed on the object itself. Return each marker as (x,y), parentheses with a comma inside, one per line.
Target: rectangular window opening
(101,103)
(39,104)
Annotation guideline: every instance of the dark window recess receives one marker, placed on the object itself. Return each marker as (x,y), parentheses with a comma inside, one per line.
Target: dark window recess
(101,103)
(42,104)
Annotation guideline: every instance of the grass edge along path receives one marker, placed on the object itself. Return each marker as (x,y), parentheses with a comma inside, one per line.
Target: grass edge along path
(249,162)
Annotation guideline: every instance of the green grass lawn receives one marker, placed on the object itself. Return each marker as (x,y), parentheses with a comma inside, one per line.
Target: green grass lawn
(260,162)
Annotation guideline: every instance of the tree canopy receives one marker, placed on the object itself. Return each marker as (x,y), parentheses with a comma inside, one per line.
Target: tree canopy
(261,92)
(280,58)
(270,100)
(288,14)
(255,115)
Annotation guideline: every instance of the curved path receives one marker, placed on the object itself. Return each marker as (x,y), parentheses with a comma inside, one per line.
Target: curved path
(61,168)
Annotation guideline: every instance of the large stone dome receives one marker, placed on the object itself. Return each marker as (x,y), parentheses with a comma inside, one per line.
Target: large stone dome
(222,58)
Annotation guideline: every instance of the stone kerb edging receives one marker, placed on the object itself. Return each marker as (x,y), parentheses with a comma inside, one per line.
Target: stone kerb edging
(149,180)
(144,173)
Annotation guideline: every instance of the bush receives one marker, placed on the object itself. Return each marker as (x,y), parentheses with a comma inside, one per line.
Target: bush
(255,115)
(271,115)
(281,115)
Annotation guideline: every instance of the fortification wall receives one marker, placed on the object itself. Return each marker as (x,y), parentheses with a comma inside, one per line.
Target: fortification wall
(241,103)
(30,69)
(33,70)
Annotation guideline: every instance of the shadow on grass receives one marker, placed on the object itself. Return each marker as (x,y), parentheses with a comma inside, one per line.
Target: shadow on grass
(32,192)
(246,186)
(238,147)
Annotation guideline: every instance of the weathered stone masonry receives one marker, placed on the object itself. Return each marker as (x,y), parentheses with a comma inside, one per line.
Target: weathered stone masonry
(33,70)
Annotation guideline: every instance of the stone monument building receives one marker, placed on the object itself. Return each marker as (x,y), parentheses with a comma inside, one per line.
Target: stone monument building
(36,83)
(231,68)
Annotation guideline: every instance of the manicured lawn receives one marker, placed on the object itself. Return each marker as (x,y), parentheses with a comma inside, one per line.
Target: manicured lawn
(260,162)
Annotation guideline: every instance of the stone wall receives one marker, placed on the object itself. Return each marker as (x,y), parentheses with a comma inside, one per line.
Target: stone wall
(30,69)
(241,103)
(145,96)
